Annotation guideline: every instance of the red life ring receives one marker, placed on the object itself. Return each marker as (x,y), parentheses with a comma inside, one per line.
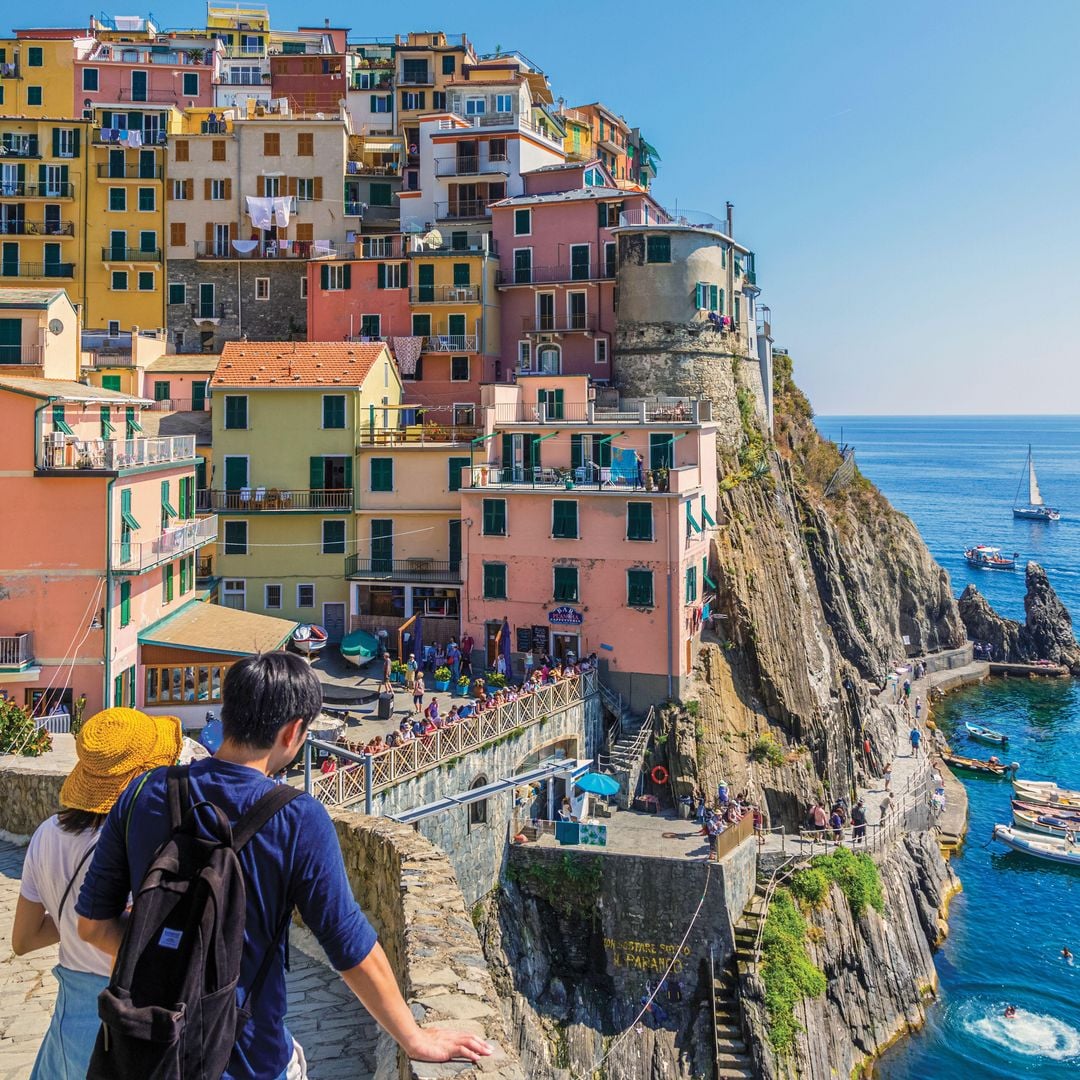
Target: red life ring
(659,774)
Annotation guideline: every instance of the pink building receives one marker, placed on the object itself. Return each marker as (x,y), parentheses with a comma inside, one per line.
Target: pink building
(557,271)
(588,527)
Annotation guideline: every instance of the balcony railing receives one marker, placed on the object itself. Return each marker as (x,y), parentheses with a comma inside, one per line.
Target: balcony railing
(253,500)
(444,294)
(464,209)
(135,556)
(353,208)
(451,343)
(549,275)
(472,166)
(629,411)
(119,254)
(13,189)
(381,247)
(99,358)
(295,204)
(558,324)
(417,78)
(536,476)
(418,569)
(289,249)
(72,454)
(16,650)
(21,148)
(181,405)
(201,312)
(365,168)
(501,120)
(117,137)
(38,270)
(153,97)
(109,171)
(37,228)
(33,355)
(430,433)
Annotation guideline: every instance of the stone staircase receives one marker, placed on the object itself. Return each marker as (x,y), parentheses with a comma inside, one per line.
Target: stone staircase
(626,753)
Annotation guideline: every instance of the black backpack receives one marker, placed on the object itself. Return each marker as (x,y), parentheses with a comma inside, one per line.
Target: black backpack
(170,1009)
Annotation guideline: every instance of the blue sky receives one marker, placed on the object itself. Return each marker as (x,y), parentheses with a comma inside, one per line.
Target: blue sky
(906,173)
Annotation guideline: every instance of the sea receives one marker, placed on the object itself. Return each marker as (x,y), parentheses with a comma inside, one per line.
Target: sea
(956,477)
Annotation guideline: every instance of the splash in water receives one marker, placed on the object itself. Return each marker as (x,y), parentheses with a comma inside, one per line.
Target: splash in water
(1028,1033)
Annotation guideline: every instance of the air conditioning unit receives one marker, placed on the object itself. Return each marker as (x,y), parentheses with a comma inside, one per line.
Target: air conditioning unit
(58,438)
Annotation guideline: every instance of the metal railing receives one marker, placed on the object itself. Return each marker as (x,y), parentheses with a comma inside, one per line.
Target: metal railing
(369,774)
(501,120)
(416,569)
(472,166)
(16,650)
(255,500)
(538,476)
(109,171)
(535,275)
(424,78)
(15,189)
(444,294)
(99,358)
(37,228)
(21,148)
(113,454)
(288,249)
(152,97)
(381,247)
(558,324)
(181,405)
(511,412)
(457,244)
(451,343)
(38,270)
(207,312)
(115,136)
(115,254)
(133,557)
(22,354)
(463,209)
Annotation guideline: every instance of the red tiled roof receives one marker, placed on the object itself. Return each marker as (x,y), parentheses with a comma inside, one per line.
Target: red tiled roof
(295,363)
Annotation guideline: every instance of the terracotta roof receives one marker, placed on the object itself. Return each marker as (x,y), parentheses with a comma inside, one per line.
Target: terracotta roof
(211,628)
(296,363)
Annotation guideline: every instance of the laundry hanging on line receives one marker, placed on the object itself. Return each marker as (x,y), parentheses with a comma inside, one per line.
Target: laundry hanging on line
(266,211)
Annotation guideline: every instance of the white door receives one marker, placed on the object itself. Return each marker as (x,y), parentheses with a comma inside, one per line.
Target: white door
(333,618)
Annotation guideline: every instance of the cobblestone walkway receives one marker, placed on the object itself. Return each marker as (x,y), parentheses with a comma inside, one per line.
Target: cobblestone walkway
(336,1032)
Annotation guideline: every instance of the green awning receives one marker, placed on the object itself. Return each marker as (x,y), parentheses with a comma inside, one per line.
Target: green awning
(167,507)
(551,435)
(484,438)
(106,427)
(64,426)
(128,519)
(709,581)
(133,425)
(690,520)
(607,438)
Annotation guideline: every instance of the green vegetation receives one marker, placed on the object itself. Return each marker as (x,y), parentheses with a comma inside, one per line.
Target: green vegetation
(753,460)
(810,886)
(857,876)
(786,969)
(692,707)
(571,885)
(19,734)
(767,751)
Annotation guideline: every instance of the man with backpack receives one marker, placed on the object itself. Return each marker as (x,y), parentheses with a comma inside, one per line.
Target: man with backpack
(216,856)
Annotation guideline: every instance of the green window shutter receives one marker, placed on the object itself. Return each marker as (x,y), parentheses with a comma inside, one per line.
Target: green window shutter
(455,465)
(494,581)
(333,538)
(714,297)
(110,382)
(564,519)
(604,458)
(602,215)
(382,474)
(380,276)
(507,451)
(706,517)
(236,473)
(720,308)
(699,296)
(75,142)
(316,473)
(106,426)
(639,521)
(522,222)
(691,523)
(167,510)
(461,274)
(236,413)
(421,325)
(348,474)
(639,588)
(167,583)
(183,577)
(691,584)
(125,603)
(494,517)
(236,538)
(334,411)
(566,583)
(324,277)
(577,457)
(55,142)
(59,423)
(126,517)
(346,276)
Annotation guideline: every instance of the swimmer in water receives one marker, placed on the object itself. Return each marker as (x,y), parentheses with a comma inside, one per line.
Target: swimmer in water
(1010,1011)
(1066,955)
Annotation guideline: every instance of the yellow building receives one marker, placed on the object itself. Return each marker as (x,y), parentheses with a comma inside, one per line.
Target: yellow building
(286,421)
(578,143)
(37,76)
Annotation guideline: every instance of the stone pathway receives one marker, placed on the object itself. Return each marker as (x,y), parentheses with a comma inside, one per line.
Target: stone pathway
(336,1032)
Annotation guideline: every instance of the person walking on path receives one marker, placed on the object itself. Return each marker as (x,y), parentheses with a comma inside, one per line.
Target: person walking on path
(418,693)
(411,668)
(858,822)
(386,687)
(915,735)
(918,707)
(269,701)
(888,775)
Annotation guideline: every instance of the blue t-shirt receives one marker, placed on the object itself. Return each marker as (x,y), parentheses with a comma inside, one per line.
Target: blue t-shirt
(916,735)
(293,860)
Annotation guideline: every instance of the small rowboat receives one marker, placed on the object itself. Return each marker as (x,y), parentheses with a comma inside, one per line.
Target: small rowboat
(1046,824)
(988,735)
(1030,806)
(1041,847)
(1047,793)
(309,638)
(977,765)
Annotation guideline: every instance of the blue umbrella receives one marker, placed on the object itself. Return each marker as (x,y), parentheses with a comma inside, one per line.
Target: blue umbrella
(597,783)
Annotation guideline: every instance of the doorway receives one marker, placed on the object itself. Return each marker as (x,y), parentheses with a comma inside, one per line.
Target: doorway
(333,617)
(491,643)
(564,647)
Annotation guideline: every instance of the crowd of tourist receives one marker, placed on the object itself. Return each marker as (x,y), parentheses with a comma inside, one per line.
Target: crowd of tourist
(724,814)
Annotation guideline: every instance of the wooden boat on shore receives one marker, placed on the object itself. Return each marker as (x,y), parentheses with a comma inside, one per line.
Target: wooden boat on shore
(1045,824)
(1031,806)
(987,735)
(1041,847)
(309,638)
(977,765)
(985,557)
(1047,793)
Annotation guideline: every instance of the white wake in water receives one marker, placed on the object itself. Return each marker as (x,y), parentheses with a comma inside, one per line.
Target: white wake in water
(1028,1033)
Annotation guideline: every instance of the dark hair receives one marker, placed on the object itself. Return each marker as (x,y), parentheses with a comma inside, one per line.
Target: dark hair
(77,821)
(263,693)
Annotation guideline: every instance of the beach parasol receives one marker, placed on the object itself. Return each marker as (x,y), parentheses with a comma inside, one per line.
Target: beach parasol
(597,783)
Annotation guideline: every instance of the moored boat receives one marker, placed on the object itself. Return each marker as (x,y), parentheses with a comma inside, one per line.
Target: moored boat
(1046,824)
(309,638)
(987,735)
(986,557)
(1035,509)
(1032,806)
(359,647)
(1041,847)
(977,765)
(1047,793)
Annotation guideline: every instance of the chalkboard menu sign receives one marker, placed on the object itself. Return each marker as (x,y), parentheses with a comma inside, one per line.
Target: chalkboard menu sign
(540,639)
(524,638)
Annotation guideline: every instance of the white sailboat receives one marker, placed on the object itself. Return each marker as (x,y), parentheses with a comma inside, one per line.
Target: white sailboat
(1035,509)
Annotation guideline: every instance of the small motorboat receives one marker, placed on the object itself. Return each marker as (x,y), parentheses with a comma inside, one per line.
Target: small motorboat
(987,735)
(1034,509)
(977,765)
(359,647)
(1054,849)
(1030,806)
(1047,793)
(309,638)
(986,557)
(1046,824)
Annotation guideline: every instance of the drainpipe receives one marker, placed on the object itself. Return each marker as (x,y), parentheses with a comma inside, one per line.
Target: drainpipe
(670,635)
(108,590)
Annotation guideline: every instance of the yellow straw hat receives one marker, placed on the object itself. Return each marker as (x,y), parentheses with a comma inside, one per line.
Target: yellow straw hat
(114,746)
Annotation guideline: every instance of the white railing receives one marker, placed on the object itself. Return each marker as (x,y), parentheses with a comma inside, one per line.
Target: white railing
(16,649)
(112,454)
(136,556)
(347,784)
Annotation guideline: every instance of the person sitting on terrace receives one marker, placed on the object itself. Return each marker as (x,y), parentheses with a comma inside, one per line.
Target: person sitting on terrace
(453,715)
(466,710)
(392,740)
(429,727)
(433,709)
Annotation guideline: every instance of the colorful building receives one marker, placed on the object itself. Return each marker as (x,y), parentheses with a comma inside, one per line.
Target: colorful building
(287,503)
(610,137)
(37,72)
(39,334)
(587,528)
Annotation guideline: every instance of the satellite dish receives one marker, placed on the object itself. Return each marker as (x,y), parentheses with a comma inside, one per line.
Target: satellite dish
(56,326)
(433,239)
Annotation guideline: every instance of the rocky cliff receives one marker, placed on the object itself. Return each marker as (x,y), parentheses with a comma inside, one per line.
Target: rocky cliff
(1045,634)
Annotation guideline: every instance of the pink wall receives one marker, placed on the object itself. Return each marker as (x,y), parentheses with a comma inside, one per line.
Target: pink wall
(540,183)
(180,384)
(329,312)
(165,85)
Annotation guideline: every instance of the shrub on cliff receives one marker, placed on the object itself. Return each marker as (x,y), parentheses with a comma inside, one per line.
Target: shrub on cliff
(787,971)
(857,876)
(810,885)
(767,751)
(19,734)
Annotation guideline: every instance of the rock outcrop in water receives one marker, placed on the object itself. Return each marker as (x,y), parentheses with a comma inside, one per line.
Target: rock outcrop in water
(1046,633)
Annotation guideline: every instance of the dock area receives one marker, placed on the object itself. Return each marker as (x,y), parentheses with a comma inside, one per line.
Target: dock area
(1046,671)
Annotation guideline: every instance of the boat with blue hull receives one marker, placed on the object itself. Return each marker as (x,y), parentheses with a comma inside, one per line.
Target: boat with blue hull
(986,557)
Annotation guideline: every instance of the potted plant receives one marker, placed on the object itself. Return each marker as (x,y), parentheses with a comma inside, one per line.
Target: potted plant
(442,679)
(663,478)
(398,671)
(650,483)
(461,687)
(496,681)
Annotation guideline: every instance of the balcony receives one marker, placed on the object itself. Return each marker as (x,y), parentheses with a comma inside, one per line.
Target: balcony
(508,121)
(244,52)
(207,313)
(363,568)
(667,410)
(67,454)
(119,254)
(37,228)
(354,209)
(181,405)
(257,500)
(559,324)
(104,358)
(551,275)
(27,147)
(25,355)
(10,71)
(444,294)
(13,189)
(16,652)
(289,249)
(458,244)
(214,127)
(38,270)
(152,97)
(430,433)
(451,343)
(121,136)
(373,168)
(109,171)
(464,209)
(381,247)
(472,166)
(135,557)
(667,219)
(417,78)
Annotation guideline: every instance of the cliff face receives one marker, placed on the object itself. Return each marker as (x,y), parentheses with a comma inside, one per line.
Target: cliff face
(1046,633)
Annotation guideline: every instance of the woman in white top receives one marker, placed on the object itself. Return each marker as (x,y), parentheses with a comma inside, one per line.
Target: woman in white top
(114,747)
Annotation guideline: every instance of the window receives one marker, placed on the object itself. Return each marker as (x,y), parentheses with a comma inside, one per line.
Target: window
(217,150)
(262,288)
(146,281)
(639,588)
(125,602)
(454,467)
(333,411)
(194,683)
(382,474)
(448,64)
(382,103)
(119,281)
(609,260)
(305,596)
(438,100)
(179,189)
(477,809)
(181,150)
(504,103)
(525,355)
(380,195)
(146,198)
(421,325)
(370,326)
(305,144)
(117,198)
(217,190)
(639,521)
(566,584)
(167,583)
(233,594)
(494,581)
(701,296)
(522,222)
(236,537)
(35,56)
(494,517)
(65,143)
(191,84)
(272,597)
(658,249)
(106,424)
(33,97)
(271,144)
(600,350)
(90,79)
(412,99)
(475,106)
(391,276)
(459,369)
(691,584)
(462,275)
(335,278)
(333,537)
(236,412)
(564,518)
(661,451)
(303,288)
(714,297)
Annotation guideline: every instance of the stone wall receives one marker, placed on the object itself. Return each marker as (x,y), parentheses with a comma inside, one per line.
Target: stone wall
(29,794)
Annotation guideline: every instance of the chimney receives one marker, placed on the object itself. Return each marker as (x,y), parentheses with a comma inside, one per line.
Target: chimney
(730,226)
(326,23)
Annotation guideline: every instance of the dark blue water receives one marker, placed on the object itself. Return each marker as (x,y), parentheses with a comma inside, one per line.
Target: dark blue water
(956,478)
